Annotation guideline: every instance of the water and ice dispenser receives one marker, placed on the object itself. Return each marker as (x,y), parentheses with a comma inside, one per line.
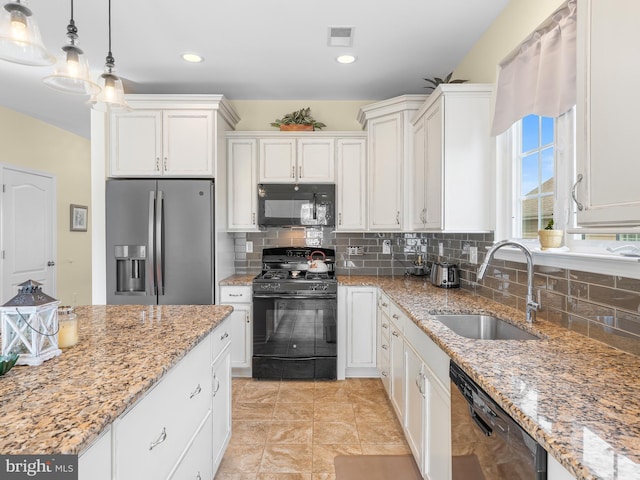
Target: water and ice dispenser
(130,269)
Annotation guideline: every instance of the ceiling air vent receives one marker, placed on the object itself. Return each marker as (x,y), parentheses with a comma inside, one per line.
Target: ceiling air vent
(341,36)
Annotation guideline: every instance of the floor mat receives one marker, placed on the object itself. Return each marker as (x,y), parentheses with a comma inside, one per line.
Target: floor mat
(376,467)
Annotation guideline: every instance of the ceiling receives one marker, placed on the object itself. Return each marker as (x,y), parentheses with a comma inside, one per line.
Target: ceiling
(253,49)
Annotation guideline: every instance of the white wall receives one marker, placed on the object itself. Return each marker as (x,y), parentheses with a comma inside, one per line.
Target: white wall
(30,143)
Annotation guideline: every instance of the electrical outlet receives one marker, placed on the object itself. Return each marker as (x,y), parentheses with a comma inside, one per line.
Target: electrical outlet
(473,255)
(386,247)
(249,247)
(440,249)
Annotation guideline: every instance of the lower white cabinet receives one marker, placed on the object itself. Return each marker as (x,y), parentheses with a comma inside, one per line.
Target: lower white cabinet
(397,368)
(221,406)
(384,327)
(239,297)
(197,463)
(357,312)
(95,462)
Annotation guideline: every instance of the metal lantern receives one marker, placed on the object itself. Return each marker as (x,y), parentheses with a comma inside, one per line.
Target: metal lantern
(30,325)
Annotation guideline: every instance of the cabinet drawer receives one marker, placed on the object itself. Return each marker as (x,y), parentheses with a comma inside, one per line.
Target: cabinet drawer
(235,294)
(435,359)
(151,436)
(220,338)
(385,303)
(197,464)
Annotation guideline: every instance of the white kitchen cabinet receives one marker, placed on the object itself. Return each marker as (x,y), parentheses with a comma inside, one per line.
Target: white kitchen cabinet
(242,186)
(397,367)
(150,438)
(221,405)
(452,187)
(384,342)
(240,320)
(606,131)
(171,143)
(94,463)
(555,471)
(358,312)
(390,139)
(415,421)
(437,446)
(296,160)
(197,464)
(351,191)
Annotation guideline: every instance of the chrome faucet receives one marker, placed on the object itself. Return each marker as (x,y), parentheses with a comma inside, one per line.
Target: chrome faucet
(532,306)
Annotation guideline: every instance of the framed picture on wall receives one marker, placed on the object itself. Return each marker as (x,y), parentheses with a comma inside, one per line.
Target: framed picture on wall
(79,215)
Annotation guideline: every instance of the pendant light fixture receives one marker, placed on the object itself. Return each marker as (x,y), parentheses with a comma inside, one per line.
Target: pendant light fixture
(111,97)
(71,72)
(20,39)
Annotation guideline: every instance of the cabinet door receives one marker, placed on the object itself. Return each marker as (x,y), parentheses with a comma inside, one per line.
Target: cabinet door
(607,135)
(418,176)
(242,189)
(221,407)
(351,185)
(241,333)
(437,458)
(197,464)
(136,144)
(397,370)
(433,168)
(315,160)
(277,158)
(414,421)
(188,143)
(95,462)
(385,172)
(361,327)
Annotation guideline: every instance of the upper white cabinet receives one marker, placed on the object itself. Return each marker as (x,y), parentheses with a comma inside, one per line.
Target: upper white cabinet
(167,142)
(167,135)
(351,191)
(607,139)
(301,160)
(388,125)
(242,171)
(453,174)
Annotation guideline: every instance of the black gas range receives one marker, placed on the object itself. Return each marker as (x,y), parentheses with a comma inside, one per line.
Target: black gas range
(294,314)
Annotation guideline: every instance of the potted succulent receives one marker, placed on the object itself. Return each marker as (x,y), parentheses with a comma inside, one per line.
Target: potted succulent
(549,237)
(435,81)
(298,120)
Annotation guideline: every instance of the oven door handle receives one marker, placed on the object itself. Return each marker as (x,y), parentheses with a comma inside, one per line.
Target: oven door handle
(296,297)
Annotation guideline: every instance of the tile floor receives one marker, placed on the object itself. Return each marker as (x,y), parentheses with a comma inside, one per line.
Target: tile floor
(292,430)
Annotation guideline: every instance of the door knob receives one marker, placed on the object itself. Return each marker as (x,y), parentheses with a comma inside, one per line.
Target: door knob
(50,263)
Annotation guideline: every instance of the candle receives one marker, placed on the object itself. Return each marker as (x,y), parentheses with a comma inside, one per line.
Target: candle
(68,327)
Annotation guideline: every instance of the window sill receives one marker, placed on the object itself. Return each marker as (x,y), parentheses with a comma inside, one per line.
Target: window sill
(605,264)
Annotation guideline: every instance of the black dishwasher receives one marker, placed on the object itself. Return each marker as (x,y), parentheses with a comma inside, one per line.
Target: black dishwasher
(486,443)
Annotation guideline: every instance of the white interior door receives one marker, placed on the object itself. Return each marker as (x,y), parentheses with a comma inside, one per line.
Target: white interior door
(28,226)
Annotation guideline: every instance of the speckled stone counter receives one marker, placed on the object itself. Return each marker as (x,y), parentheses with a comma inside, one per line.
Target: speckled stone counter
(244,279)
(62,405)
(579,398)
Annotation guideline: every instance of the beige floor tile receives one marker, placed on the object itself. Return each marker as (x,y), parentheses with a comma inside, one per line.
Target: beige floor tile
(368,384)
(284,476)
(252,411)
(290,432)
(373,413)
(336,394)
(235,476)
(293,411)
(257,395)
(250,432)
(338,412)
(384,433)
(374,449)
(323,476)
(241,459)
(286,459)
(299,395)
(373,398)
(297,385)
(335,433)
(323,456)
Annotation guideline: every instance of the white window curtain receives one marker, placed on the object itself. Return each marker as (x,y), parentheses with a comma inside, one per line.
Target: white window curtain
(539,77)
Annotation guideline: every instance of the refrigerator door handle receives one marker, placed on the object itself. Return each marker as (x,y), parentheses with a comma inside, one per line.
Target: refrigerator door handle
(159,251)
(151,284)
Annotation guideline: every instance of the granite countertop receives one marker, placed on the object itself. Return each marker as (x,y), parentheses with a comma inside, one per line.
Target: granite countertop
(64,404)
(579,398)
(238,280)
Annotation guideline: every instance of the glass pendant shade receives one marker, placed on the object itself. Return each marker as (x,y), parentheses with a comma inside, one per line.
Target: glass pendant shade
(71,73)
(20,39)
(111,96)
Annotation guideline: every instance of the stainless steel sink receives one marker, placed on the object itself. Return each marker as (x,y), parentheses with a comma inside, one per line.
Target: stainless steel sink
(484,327)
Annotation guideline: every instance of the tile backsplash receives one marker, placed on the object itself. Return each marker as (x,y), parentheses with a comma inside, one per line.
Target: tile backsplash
(603,307)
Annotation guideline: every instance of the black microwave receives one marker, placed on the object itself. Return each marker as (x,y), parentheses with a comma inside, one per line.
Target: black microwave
(289,205)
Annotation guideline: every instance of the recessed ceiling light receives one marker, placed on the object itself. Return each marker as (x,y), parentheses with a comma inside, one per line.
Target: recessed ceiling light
(192,57)
(346,59)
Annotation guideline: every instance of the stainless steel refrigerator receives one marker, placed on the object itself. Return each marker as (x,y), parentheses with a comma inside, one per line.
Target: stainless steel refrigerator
(160,242)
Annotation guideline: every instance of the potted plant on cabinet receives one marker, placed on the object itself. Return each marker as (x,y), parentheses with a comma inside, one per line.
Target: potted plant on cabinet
(298,120)
(549,237)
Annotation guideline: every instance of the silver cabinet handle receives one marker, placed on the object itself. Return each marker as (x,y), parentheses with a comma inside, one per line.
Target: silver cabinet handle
(224,335)
(157,164)
(395,315)
(198,477)
(395,334)
(196,391)
(340,218)
(217,382)
(398,217)
(573,192)
(161,438)
(384,374)
(253,218)
(165,163)
(247,317)
(300,171)
(384,304)
(293,172)
(51,263)
(235,295)
(385,325)
(385,347)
